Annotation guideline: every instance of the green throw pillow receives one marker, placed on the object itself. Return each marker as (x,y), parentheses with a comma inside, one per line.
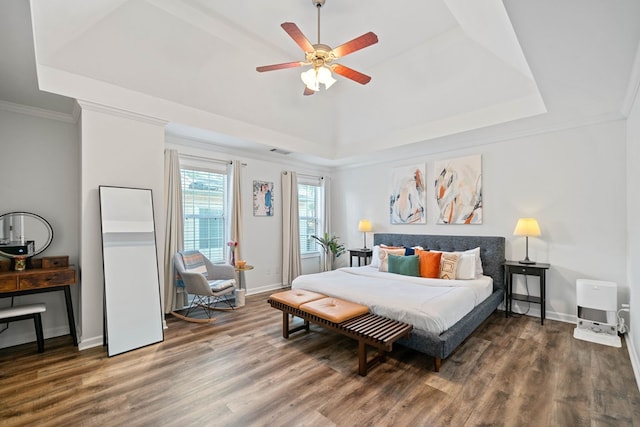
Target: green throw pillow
(407,265)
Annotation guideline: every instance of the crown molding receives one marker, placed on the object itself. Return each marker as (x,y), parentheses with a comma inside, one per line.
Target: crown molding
(40,112)
(174,140)
(471,139)
(100,108)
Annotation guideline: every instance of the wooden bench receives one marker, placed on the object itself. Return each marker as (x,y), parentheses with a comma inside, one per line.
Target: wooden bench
(23,312)
(347,318)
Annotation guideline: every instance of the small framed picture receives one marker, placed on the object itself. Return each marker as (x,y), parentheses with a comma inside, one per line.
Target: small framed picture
(262,198)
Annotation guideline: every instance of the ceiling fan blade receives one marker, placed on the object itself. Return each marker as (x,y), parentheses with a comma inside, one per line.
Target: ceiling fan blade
(280,66)
(355,44)
(308,91)
(350,73)
(297,36)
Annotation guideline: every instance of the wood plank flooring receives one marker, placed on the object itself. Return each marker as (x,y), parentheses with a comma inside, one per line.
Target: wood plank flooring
(239,371)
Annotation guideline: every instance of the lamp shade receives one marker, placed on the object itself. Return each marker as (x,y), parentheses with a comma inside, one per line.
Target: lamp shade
(527,227)
(364,225)
(316,76)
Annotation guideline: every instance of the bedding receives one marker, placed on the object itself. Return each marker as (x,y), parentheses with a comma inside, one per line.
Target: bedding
(432,305)
(442,327)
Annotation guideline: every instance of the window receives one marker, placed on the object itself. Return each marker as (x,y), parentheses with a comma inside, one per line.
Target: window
(309,216)
(203,204)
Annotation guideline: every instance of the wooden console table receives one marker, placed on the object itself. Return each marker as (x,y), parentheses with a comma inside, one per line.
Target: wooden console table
(39,280)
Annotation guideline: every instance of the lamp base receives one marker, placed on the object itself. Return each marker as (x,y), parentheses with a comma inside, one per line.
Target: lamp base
(526,261)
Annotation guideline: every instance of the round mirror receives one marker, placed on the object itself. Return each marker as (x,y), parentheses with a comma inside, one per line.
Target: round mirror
(24,234)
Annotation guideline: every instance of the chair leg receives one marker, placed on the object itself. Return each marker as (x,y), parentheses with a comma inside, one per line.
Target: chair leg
(37,320)
(196,302)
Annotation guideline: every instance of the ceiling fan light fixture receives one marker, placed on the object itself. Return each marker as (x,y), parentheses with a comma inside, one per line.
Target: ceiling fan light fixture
(316,76)
(320,57)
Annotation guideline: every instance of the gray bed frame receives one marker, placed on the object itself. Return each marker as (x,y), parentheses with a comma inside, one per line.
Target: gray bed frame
(492,254)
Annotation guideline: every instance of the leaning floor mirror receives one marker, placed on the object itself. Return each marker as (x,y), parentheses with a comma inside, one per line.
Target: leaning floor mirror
(133,315)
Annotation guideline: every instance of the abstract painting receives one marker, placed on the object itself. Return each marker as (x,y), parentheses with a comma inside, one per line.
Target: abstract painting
(262,198)
(407,200)
(458,190)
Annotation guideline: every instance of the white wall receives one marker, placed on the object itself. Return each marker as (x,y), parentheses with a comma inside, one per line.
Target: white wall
(39,169)
(118,149)
(261,242)
(633,231)
(572,181)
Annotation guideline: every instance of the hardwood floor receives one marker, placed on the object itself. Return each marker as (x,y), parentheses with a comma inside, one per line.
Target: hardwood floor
(239,371)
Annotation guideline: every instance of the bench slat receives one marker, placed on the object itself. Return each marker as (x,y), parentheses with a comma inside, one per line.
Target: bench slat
(369,328)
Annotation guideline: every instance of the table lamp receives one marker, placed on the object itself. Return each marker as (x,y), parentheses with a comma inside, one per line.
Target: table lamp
(364,225)
(527,227)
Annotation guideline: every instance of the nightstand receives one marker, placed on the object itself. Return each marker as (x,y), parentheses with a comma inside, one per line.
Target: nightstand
(538,269)
(362,254)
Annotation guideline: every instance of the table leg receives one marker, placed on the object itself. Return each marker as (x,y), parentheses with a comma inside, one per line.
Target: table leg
(70,317)
(543,286)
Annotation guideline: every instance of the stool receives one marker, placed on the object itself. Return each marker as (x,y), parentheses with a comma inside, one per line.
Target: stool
(23,312)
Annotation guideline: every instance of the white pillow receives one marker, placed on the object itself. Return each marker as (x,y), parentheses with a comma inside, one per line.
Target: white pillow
(384,257)
(466,269)
(477,264)
(375,261)
(476,252)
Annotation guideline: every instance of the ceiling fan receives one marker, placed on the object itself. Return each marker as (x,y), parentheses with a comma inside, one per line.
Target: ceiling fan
(320,57)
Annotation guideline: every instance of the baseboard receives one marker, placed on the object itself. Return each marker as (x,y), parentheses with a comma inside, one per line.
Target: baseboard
(30,336)
(534,311)
(267,288)
(633,355)
(91,342)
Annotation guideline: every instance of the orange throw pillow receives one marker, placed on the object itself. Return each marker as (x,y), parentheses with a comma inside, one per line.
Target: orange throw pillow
(429,263)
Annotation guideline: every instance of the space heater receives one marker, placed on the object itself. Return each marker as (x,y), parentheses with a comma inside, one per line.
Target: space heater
(597,312)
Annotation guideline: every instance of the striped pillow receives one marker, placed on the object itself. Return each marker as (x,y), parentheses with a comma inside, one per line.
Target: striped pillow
(194,262)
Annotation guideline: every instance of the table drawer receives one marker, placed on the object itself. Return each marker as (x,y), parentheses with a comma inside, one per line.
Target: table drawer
(8,283)
(51,278)
(531,271)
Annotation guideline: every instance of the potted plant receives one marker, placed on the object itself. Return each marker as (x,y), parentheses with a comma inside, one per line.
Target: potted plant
(331,247)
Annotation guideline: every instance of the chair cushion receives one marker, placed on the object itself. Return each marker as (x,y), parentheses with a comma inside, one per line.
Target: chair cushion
(221,285)
(21,310)
(194,262)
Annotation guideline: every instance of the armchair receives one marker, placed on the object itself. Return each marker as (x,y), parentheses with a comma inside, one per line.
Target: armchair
(208,283)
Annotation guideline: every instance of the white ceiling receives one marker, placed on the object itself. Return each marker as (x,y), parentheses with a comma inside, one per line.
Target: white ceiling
(442,67)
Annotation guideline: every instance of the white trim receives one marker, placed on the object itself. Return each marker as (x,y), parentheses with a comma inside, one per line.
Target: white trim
(634,86)
(90,343)
(635,361)
(40,112)
(92,106)
(534,311)
(267,288)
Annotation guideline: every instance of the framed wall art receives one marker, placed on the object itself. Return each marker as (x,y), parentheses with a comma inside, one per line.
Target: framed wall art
(458,190)
(262,198)
(407,200)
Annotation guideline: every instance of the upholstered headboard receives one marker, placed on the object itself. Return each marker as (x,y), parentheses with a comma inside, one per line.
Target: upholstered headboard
(492,249)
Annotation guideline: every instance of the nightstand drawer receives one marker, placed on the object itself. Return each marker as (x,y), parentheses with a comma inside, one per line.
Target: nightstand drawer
(530,271)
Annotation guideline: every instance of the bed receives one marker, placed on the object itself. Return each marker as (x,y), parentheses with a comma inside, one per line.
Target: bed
(440,328)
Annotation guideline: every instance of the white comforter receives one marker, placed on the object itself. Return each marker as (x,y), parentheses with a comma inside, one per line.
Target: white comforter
(429,304)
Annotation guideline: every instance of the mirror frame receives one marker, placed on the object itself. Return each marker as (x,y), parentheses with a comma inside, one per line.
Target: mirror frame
(37,250)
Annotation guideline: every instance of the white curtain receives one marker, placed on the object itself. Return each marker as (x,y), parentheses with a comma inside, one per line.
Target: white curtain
(235,202)
(325,185)
(174,297)
(291,265)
